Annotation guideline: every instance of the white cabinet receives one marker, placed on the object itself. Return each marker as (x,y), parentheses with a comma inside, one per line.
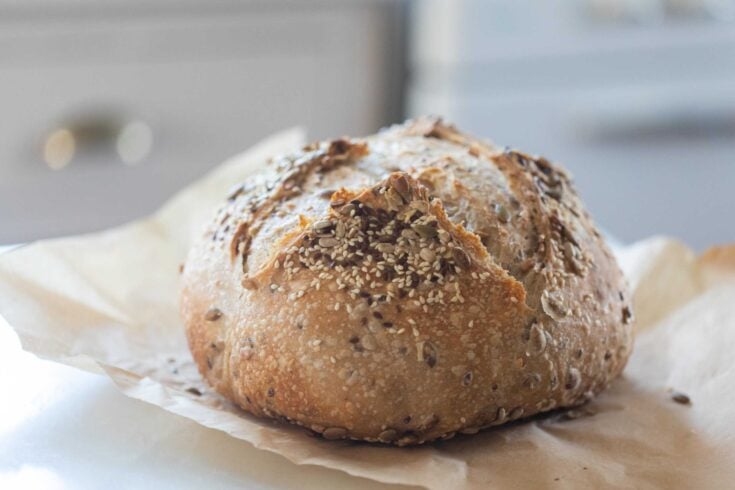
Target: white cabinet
(206,79)
(642,113)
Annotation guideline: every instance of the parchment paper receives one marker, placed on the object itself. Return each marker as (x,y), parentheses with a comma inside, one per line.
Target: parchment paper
(107,303)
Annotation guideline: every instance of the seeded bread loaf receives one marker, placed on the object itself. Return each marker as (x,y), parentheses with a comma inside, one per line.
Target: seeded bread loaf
(405,287)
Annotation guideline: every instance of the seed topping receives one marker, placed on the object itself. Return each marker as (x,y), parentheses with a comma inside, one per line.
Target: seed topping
(536,341)
(379,252)
(681,398)
(333,433)
(502,213)
(574,379)
(213,314)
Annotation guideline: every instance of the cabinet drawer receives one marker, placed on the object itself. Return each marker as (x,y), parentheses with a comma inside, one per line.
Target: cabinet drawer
(655,159)
(204,86)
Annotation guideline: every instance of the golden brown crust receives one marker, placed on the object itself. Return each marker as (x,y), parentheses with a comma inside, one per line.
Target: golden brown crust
(405,287)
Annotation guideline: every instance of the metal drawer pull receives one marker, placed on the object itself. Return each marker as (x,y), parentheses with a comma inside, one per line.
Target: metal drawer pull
(98,135)
(624,123)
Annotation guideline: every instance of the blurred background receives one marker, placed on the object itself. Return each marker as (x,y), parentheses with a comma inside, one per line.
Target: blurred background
(108,107)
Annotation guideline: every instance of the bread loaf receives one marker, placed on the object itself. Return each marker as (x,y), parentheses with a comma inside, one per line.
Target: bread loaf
(405,287)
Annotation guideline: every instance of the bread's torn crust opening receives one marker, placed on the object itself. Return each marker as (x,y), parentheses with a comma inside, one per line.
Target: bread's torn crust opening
(389,241)
(321,158)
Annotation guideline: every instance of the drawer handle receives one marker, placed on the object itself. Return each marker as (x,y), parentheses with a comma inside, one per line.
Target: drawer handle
(100,134)
(650,124)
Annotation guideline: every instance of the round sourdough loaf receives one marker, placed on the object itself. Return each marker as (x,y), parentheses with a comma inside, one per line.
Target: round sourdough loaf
(404,287)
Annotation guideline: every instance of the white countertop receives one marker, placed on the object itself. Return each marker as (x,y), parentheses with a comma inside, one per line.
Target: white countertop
(61,428)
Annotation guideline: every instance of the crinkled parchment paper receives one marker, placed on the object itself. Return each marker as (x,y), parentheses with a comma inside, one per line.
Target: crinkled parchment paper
(107,303)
